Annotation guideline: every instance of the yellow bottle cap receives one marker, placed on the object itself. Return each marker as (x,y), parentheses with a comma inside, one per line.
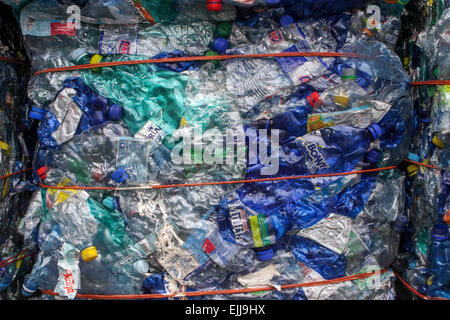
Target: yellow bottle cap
(438,143)
(342,100)
(89,254)
(96,58)
(412,170)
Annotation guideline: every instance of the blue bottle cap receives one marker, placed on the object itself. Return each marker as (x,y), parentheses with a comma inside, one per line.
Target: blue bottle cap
(264,255)
(120,175)
(286,20)
(108,202)
(99,116)
(375,130)
(272,2)
(221,45)
(413,157)
(99,101)
(115,112)
(440,231)
(117,174)
(36,113)
(373,156)
(29,289)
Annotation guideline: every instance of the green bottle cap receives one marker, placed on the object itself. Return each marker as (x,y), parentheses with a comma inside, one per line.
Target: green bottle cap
(223,29)
(210,53)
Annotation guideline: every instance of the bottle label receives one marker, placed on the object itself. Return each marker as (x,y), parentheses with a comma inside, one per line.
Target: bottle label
(69,272)
(314,147)
(150,131)
(67,29)
(113,43)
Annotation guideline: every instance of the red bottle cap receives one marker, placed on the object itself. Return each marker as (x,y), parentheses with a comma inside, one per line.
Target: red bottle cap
(312,99)
(42,172)
(214,5)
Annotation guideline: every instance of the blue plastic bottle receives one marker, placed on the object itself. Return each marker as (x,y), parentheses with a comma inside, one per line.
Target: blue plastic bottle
(439,260)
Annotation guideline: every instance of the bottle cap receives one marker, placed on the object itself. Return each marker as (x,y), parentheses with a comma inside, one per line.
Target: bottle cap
(77,55)
(36,113)
(286,20)
(210,53)
(214,5)
(141,266)
(89,254)
(28,289)
(348,73)
(412,170)
(108,202)
(221,45)
(437,142)
(272,2)
(264,255)
(42,172)
(115,112)
(120,175)
(440,231)
(375,130)
(223,29)
(413,157)
(312,98)
(96,58)
(373,156)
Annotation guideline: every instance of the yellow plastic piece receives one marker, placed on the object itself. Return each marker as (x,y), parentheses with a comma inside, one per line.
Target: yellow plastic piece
(89,254)
(438,143)
(96,58)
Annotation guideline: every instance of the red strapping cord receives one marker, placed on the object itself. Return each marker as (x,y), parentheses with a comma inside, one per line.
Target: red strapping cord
(216,292)
(16,61)
(11,259)
(201,58)
(417,293)
(220,182)
(15,173)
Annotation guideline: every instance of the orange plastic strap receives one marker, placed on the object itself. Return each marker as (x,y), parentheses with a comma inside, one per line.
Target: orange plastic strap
(201,58)
(219,182)
(216,292)
(15,173)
